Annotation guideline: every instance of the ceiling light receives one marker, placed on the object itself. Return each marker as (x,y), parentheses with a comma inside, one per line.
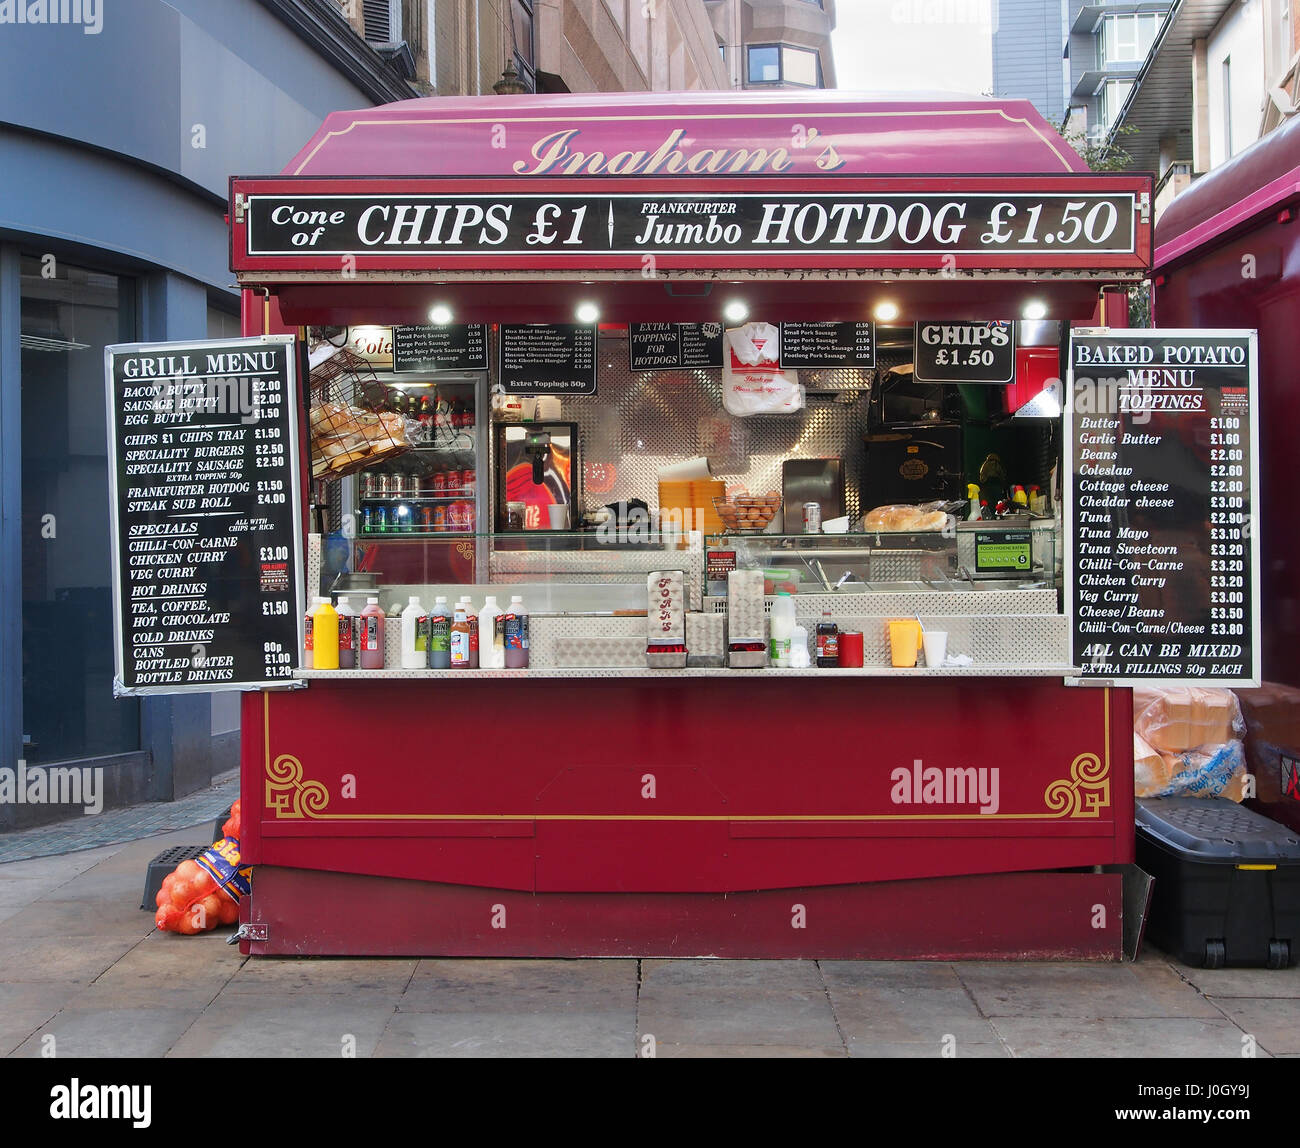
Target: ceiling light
(736,311)
(887,311)
(1035,309)
(587,312)
(440,314)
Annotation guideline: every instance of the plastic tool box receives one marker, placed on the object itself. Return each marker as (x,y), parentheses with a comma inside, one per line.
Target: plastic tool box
(1227,882)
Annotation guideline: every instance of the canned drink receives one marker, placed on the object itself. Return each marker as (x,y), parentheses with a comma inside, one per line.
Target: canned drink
(367,519)
(367,485)
(380,489)
(412,486)
(440,482)
(440,518)
(426,518)
(467,480)
(381,519)
(812,517)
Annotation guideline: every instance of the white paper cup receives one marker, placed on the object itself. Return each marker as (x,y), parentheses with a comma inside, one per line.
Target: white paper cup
(558,513)
(936,647)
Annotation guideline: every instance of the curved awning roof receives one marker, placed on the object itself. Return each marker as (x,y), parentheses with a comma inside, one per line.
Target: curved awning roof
(1256,180)
(687,133)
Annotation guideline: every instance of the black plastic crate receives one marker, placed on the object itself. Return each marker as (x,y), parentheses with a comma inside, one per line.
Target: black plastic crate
(163,864)
(1227,882)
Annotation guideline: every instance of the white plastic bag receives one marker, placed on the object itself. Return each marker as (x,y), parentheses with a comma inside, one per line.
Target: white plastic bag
(753,382)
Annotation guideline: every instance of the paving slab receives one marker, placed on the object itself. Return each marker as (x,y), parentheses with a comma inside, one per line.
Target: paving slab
(861,1049)
(1083,991)
(113,1032)
(1119,1037)
(321,976)
(1273,1022)
(880,974)
(244,1027)
(24,959)
(25,1007)
(731,974)
(1277,983)
(736,1016)
(555,1034)
(902,1014)
(746,1052)
(463,985)
(78,917)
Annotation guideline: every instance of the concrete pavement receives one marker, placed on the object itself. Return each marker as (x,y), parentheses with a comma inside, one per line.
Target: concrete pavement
(81,965)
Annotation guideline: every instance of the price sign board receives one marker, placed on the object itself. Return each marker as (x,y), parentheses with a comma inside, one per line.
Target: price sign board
(1161,493)
(445,347)
(206,514)
(548,359)
(959,352)
(828,345)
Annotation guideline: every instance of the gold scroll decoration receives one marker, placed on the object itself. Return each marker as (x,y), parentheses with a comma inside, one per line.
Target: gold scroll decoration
(287,795)
(465,550)
(1084,793)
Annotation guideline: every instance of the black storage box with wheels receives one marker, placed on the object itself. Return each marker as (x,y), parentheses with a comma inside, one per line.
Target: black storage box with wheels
(1227,882)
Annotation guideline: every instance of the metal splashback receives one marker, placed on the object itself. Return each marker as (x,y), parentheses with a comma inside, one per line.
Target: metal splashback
(641,422)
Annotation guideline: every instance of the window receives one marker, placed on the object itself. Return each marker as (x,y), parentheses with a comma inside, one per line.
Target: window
(383,19)
(521,28)
(1112,100)
(1128,39)
(1227,107)
(783,63)
(69,315)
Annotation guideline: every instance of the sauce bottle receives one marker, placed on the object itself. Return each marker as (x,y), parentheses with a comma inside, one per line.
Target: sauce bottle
(371,641)
(460,636)
(347,634)
(413,657)
(491,635)
(439,635)
(516,634)
(325,631)
(308,636)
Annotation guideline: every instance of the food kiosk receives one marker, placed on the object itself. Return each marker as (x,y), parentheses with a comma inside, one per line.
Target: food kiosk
(543,294)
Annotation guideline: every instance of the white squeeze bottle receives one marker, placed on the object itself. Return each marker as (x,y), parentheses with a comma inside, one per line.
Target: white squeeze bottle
(491,647)
(412,658)
(781,630)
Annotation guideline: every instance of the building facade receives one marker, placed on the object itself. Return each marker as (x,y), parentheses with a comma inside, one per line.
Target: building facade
(1029,60)
(112,230)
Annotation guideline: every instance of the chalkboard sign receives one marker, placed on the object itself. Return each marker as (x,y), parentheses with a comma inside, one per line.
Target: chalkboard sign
(207,543)
(958,352)
(548,359)
(1161,494)
(674,346)
(448,347)
(828,345)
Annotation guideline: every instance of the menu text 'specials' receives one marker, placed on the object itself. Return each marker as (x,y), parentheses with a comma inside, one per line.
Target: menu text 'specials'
(1161,428)
(207,550)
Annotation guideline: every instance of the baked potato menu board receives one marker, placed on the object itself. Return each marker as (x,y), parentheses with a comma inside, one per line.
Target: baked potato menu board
(205,505)
(1161,489)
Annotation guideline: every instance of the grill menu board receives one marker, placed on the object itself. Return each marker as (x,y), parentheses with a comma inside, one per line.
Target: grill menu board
(828,345)
(207,544)
(548,359)
(673,346)
(448,347)
(956,352)
(1161,486)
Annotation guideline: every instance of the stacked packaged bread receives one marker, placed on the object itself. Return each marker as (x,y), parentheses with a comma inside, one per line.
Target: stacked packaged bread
(898,518)
(1187,742)
(346,438)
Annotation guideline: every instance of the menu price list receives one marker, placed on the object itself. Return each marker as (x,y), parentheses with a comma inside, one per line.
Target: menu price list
(674,346)
(850,344)
(449,347)
(1165,559)
(204,506)
(548,359)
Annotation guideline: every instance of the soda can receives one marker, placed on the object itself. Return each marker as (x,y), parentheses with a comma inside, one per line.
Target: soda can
(367,485)
(426,518)
(467,480)
(440,482)
(440,518)
(380,489)
(381,519)
(412,486)
(367,519)
(812,517)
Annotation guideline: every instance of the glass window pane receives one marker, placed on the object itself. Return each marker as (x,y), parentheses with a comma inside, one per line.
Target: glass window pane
(69,314)
(764,65)
(800,67)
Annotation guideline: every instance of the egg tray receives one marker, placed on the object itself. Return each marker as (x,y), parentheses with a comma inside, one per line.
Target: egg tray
(762,508)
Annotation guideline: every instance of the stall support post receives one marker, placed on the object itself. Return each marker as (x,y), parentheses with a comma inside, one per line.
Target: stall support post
(11,597)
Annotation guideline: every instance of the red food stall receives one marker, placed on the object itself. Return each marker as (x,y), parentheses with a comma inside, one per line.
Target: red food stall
(591,805)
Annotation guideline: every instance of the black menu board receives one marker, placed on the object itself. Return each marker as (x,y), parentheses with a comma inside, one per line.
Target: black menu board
(204,499)
(828,345)
(1162,557)
(952,351)
(673,346)
(446,347)
(548,359)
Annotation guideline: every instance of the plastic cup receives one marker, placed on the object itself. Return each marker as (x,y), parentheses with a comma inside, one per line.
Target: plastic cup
(904,641)
(936,647)
(850,649)
(558,513)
